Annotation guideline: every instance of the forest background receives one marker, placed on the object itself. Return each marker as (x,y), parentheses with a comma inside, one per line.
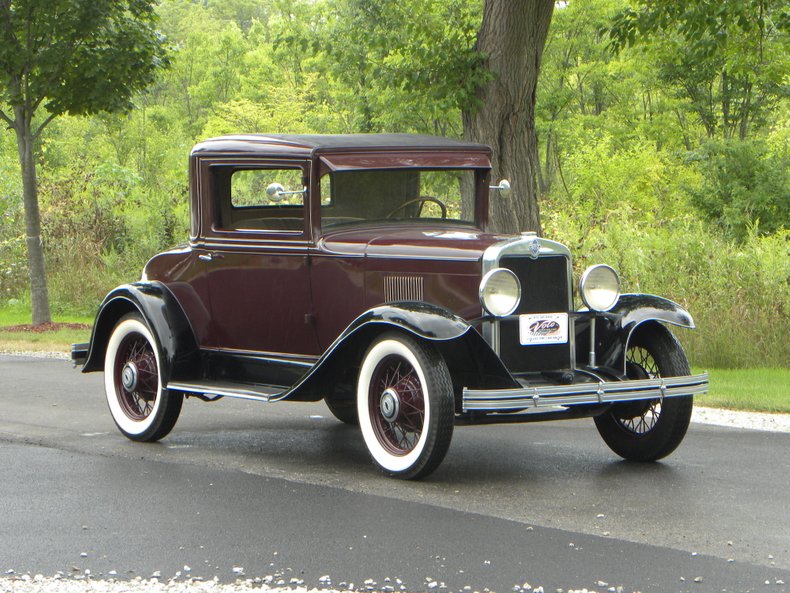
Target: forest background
(668,160)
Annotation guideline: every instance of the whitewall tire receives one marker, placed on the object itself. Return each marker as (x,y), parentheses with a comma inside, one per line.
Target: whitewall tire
(140,407)
(405,405)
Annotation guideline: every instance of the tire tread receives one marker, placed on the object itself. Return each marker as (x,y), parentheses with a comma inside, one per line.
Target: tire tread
(673,423)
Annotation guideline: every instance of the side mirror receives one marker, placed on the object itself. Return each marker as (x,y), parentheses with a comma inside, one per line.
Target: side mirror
(503,187)
(276,192)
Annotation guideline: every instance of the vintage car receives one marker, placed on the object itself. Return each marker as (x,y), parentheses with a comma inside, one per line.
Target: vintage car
(358,269)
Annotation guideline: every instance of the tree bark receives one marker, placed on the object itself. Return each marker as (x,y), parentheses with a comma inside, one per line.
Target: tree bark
(512,36)
(39,293)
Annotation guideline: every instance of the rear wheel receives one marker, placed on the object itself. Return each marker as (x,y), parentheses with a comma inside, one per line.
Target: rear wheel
(343,408)
(405,406)
(140,407)
(650,429)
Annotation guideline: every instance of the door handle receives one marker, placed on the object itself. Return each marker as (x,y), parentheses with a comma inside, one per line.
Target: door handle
(209,256)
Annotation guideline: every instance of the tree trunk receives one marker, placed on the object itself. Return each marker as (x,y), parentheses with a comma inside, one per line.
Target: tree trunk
(39,294)
(512,37)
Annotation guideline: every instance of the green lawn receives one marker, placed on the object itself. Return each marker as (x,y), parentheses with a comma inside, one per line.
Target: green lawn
(19,314)
(763,390)
(50,341)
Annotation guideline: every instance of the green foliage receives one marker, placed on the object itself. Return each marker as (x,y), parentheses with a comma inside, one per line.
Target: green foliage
(745,188)
(77,56)
(729,60)
(627,208)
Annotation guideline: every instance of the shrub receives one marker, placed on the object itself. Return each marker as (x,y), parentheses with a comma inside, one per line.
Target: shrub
(745,186)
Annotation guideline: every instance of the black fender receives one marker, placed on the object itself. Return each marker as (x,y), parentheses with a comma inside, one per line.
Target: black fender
(179,355)
(631,312)
(471,360)
(424,320)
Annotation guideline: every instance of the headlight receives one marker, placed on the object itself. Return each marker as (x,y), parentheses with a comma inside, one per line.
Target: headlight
(599,287)
(500,292)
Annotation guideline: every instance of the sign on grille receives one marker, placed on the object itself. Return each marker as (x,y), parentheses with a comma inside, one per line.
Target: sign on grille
(543,328)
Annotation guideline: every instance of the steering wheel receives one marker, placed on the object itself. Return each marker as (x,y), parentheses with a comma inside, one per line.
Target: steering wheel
(421,200)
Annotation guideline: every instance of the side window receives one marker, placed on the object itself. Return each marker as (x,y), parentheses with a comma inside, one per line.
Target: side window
(268,199)
(248,188)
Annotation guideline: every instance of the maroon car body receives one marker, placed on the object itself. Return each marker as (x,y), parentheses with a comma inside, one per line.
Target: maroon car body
(351,283)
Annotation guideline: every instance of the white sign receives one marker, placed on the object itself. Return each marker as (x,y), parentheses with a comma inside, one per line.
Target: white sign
(543,328)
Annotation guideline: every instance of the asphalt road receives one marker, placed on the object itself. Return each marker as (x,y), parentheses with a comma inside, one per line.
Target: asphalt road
(286,491)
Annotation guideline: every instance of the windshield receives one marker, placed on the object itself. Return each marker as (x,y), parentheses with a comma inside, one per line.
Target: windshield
(417,195)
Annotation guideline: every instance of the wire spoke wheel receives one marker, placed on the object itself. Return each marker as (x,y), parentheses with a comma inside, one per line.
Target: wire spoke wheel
(640,417)
(405,405)
(397,405)
(136,376)
(647,430)
(141,408)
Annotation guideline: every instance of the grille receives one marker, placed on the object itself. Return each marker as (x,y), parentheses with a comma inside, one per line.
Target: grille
(544,289)
(403,288)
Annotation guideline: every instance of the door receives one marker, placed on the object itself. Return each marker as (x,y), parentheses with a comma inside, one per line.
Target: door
(256,255)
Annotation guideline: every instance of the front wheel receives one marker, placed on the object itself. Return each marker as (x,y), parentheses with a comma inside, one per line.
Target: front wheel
(405,406)
(651,429)
(140,407)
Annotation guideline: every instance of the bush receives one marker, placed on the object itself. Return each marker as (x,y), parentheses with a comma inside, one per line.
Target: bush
(738,294)
(626,207)
(105,223)
(745,186)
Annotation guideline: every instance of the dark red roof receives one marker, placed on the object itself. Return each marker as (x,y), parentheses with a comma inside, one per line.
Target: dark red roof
(310,145)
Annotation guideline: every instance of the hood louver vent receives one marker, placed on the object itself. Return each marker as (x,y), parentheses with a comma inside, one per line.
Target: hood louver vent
(403,288)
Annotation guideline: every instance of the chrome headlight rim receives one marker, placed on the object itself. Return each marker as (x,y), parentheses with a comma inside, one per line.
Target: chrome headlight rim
(589,274)
(487,281)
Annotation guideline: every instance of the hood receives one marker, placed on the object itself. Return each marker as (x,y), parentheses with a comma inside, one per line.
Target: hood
(413,241)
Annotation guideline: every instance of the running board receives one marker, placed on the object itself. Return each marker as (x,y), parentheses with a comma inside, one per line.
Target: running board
(211,390)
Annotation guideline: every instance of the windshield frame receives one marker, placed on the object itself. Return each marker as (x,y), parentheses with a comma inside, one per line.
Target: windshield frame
(479,208)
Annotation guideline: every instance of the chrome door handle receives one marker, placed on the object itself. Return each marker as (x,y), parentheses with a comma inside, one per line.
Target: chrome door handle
(209,256)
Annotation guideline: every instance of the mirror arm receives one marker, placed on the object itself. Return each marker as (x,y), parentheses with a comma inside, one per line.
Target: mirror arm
(503,187)
(291,193)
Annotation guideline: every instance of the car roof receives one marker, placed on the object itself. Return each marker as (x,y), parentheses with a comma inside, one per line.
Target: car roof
(309,145)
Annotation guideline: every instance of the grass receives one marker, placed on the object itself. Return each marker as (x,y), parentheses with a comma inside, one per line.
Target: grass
(51,341)
(19,313)
(758,390)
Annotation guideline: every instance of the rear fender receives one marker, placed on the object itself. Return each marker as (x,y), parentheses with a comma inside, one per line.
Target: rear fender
(178,351)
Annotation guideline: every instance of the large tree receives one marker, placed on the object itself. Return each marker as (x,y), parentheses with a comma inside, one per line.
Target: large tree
(68,56)
(422,48)
(511,38)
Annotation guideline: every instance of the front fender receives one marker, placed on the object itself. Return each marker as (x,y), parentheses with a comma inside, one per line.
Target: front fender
(630,312)
(421,319)
(470,359)
(178,351)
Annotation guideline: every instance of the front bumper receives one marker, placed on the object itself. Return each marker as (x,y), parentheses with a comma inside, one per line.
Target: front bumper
(602,392)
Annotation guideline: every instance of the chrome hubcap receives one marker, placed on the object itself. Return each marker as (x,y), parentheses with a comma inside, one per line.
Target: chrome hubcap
(129,376)
(390,405)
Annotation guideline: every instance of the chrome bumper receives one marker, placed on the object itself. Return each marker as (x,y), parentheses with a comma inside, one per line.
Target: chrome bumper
(494,400)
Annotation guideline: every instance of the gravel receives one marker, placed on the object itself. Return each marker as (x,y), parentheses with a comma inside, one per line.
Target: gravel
(41,584)
(739,419)
(23,354)
(60,584)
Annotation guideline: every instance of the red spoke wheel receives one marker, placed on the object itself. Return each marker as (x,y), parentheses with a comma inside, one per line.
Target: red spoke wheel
(140,407)
(405,406)
(651,429)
